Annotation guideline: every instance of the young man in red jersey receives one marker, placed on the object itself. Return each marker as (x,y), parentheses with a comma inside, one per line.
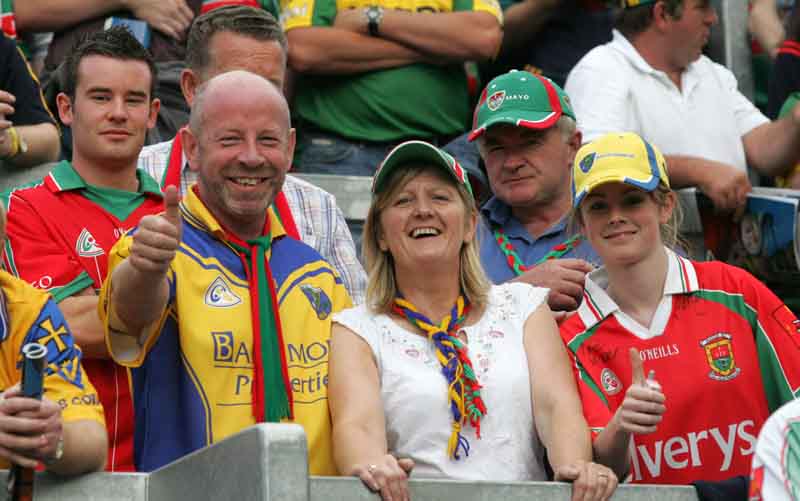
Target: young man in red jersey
(60,230)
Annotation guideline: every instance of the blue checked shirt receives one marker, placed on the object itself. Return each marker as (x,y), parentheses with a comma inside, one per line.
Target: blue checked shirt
(319,220)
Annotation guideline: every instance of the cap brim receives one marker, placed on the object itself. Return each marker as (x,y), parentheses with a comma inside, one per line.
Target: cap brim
(530,120)
(413,151)
(614,178)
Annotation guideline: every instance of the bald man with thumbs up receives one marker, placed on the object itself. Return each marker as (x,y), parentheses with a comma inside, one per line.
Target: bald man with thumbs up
(214,309)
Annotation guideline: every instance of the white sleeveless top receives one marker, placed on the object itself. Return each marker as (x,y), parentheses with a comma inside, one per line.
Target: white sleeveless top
(414,391)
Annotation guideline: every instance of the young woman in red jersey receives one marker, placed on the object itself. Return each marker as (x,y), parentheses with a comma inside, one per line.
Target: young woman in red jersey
(724,349)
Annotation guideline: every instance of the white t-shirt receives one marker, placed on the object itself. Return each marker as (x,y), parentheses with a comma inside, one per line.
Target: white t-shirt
(776,465)
(613,89)
(414,391)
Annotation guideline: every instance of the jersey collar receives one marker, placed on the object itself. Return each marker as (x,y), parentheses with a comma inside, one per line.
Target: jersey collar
(64,177)
(197,214)
(597,304)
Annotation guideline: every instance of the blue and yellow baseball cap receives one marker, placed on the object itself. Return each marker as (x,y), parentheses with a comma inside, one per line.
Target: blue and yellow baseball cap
(418,152)
(621,157)
(520,98)
(629,4)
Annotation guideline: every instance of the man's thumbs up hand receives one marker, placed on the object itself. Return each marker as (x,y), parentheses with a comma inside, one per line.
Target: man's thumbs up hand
(158,237)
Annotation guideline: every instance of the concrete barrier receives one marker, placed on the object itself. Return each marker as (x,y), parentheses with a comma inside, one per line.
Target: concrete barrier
(346,489)
(265,462)
(268,462)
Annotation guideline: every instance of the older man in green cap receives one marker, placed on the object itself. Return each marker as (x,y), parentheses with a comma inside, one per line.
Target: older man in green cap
(527,137)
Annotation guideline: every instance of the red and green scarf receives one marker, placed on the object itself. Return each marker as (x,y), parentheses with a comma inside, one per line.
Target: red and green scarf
(272,394)
(464,391)
(515,262)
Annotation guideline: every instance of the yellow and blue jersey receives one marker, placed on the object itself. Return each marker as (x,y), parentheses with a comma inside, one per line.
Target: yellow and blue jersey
(29,315)
(193,369)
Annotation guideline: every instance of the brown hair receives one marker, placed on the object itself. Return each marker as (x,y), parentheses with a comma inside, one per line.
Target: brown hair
(239,19)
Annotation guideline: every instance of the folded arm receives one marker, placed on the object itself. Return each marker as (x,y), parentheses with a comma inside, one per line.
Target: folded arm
(452,36)
(326,50)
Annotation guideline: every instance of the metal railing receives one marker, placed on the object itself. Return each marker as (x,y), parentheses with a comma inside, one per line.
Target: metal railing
(268,462)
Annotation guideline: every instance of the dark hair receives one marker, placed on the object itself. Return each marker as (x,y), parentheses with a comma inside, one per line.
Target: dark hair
(633,20)
(793,30)
(239,19)
(117,43)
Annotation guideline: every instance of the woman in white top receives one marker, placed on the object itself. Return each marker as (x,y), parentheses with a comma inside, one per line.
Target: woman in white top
(440,372)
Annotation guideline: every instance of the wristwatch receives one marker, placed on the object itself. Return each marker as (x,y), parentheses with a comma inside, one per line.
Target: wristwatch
(374,15)
(58,454)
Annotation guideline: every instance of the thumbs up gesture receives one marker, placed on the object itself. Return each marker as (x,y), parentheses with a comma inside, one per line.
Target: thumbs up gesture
(158,237)
(643,407)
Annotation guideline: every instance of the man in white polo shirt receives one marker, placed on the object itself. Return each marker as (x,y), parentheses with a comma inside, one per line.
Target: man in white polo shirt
(652,79)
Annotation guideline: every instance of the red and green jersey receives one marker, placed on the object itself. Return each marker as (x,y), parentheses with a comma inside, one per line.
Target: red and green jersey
(725,350)
(59,234)
(776,466)
(8,24)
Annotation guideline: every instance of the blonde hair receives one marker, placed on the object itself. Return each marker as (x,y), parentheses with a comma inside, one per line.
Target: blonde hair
(669,231)
(381,283)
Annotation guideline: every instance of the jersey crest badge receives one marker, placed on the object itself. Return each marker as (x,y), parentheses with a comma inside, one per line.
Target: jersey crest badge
(496,100)
(86,246)
(786,319)
(318,299)
(719,353)
(611,383)
(220,295)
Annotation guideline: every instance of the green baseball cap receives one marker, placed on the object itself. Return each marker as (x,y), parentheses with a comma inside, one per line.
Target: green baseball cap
(520,98)
(418,152)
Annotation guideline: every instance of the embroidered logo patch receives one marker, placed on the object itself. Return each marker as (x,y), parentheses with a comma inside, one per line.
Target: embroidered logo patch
(496,100)
(611,383)
(220,295)
(786,319)
(86,245)
(587,162)
(318,299)
(63,356)
(719,353)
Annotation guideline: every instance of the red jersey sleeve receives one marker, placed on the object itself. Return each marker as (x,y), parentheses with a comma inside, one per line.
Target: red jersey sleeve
(777,333)
(596,408)
(38,255)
